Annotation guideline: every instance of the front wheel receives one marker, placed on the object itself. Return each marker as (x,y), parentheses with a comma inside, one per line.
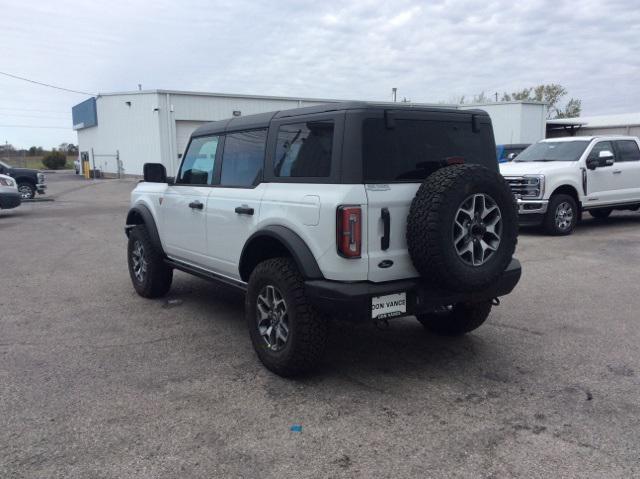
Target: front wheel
(287,333)
(456,319)
(150,275)
(27,191)
(562,215)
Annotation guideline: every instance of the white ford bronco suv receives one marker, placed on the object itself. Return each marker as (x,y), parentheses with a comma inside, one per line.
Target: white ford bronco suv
(350,210)
(555,180)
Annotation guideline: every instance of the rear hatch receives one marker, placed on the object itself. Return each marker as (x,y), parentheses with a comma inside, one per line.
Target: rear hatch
(399,151)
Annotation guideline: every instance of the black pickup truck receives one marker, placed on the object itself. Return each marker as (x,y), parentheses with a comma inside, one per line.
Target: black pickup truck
(29,181)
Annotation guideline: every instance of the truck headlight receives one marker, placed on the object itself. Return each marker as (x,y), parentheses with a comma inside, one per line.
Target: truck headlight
(532,186)
(7,182)
(41,178)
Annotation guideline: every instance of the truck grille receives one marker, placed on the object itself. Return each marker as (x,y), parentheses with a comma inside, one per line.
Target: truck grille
(518,185)
(525,187)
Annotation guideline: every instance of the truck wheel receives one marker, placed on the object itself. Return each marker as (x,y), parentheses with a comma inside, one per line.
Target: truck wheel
(27,191)
(601,213)
(457,319)
(287,333)
(462,227)
(150,275)
(562,215)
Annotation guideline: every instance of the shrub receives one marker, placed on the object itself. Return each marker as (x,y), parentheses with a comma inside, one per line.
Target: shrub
(55,160)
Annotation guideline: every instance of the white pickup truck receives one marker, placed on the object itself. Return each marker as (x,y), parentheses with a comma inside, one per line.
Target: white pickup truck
(556,179)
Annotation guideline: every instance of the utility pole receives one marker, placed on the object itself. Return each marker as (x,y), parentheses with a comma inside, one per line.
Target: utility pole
(496,96)
(394,92)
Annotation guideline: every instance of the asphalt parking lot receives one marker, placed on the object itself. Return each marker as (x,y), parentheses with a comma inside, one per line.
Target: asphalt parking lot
(98,382)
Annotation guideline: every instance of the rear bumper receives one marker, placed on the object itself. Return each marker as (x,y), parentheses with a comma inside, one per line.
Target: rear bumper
(9,200)
(354,299)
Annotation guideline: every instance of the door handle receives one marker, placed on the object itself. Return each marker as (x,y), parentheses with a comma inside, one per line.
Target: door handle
(617,172)
(196,205)
(244,210)
(386,223)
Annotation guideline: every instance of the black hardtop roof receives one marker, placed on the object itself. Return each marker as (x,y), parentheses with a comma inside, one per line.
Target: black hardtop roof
(262,120)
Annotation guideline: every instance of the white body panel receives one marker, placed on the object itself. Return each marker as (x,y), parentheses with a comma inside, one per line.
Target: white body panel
(8,189)
(397,199)
(298,206)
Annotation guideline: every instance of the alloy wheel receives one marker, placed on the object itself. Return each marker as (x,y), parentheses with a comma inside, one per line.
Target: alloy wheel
(139,261)
(272,317)
(477,229)
(564,216)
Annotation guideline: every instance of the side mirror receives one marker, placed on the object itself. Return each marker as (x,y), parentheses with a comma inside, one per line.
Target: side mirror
(511,156)
(154,173)
(606,158)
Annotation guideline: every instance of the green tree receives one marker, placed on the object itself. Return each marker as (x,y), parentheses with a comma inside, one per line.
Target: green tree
(552,95)
(55,160)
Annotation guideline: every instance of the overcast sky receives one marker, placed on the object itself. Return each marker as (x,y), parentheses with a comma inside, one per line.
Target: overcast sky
(432,51)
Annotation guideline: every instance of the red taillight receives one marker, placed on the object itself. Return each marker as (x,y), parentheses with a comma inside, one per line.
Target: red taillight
(349,231)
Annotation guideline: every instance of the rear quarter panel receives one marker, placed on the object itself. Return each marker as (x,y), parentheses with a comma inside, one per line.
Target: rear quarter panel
(310,211)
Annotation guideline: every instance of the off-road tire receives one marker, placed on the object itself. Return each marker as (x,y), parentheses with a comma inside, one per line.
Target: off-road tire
(550,224)
(601,213)
(307,328)
(457,320)
(157,281)
(25,188)
(430,227)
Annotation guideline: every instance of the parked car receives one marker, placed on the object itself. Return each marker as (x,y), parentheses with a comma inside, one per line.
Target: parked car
(355,210)
(509,152)
(556,180)
(9,195)
(29,181)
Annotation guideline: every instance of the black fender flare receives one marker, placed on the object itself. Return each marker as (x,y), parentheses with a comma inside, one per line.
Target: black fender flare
(140,214)
(297,248)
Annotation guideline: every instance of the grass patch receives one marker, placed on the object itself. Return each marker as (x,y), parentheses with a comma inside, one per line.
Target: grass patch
(35,162)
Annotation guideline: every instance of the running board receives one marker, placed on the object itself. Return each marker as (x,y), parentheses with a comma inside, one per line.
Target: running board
(204,274)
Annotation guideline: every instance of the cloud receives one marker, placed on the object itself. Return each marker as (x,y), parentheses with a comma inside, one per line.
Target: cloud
(352,49)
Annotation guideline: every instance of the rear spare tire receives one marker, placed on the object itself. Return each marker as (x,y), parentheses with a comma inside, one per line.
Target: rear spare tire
(462,227)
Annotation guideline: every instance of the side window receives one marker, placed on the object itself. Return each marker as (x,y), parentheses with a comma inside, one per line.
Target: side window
(601,146)
(627,150)
(243,158)
(304,150)
(198,164)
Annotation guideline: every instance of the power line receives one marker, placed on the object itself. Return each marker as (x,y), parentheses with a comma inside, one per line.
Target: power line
(49,117)
(36,126)
(45,84)
(32,109)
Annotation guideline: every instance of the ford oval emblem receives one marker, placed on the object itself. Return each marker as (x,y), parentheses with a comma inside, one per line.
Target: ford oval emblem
(387,263)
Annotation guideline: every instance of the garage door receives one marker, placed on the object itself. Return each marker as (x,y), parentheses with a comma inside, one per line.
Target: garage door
(183,132)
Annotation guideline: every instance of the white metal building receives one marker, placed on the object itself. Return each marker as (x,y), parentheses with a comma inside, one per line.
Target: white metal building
(620,124)
(515,121)
(154,126)
(130,129)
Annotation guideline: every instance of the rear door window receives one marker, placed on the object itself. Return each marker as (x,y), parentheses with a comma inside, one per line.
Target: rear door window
(627,150)
(304,150)
(413,149)
(243,158)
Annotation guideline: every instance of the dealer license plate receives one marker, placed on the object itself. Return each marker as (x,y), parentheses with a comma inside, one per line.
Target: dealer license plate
(388,306)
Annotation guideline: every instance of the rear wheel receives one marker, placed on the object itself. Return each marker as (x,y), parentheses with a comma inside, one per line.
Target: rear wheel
(27,191)
(287,333)
(562,215)
(601,213)
(150,275)
(456,319)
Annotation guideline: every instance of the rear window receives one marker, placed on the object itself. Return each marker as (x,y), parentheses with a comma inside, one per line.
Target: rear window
(414,149)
